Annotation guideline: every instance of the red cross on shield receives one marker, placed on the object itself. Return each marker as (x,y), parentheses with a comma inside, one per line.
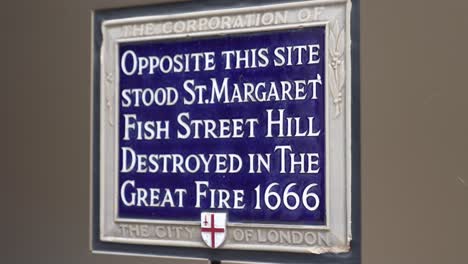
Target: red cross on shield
(213,228)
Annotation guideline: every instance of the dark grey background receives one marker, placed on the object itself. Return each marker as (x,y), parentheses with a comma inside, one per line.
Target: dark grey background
(414,162)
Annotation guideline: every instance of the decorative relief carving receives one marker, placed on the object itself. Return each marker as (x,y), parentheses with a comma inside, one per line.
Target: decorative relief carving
(210,23)
(336,65)
(233,21)
(166,232)
(109,97)
(282,236)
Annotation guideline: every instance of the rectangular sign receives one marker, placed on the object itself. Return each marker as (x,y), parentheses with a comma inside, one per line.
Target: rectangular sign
(227,129)
(225,123)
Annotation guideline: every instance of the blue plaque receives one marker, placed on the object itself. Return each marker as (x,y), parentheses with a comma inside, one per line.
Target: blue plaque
(225,130)
(262,97)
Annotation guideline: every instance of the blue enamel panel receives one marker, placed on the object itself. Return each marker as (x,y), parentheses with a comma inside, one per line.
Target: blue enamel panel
(242,180)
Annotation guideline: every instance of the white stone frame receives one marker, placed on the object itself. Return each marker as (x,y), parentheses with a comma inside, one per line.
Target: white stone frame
(335,16)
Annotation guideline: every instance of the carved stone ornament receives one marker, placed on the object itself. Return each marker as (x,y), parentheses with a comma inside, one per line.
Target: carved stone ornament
(215,230)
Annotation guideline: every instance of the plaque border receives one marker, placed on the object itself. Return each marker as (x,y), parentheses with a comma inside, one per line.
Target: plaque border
(99,246)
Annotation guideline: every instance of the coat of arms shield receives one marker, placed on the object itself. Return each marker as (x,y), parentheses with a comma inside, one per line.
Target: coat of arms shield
(213,228)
